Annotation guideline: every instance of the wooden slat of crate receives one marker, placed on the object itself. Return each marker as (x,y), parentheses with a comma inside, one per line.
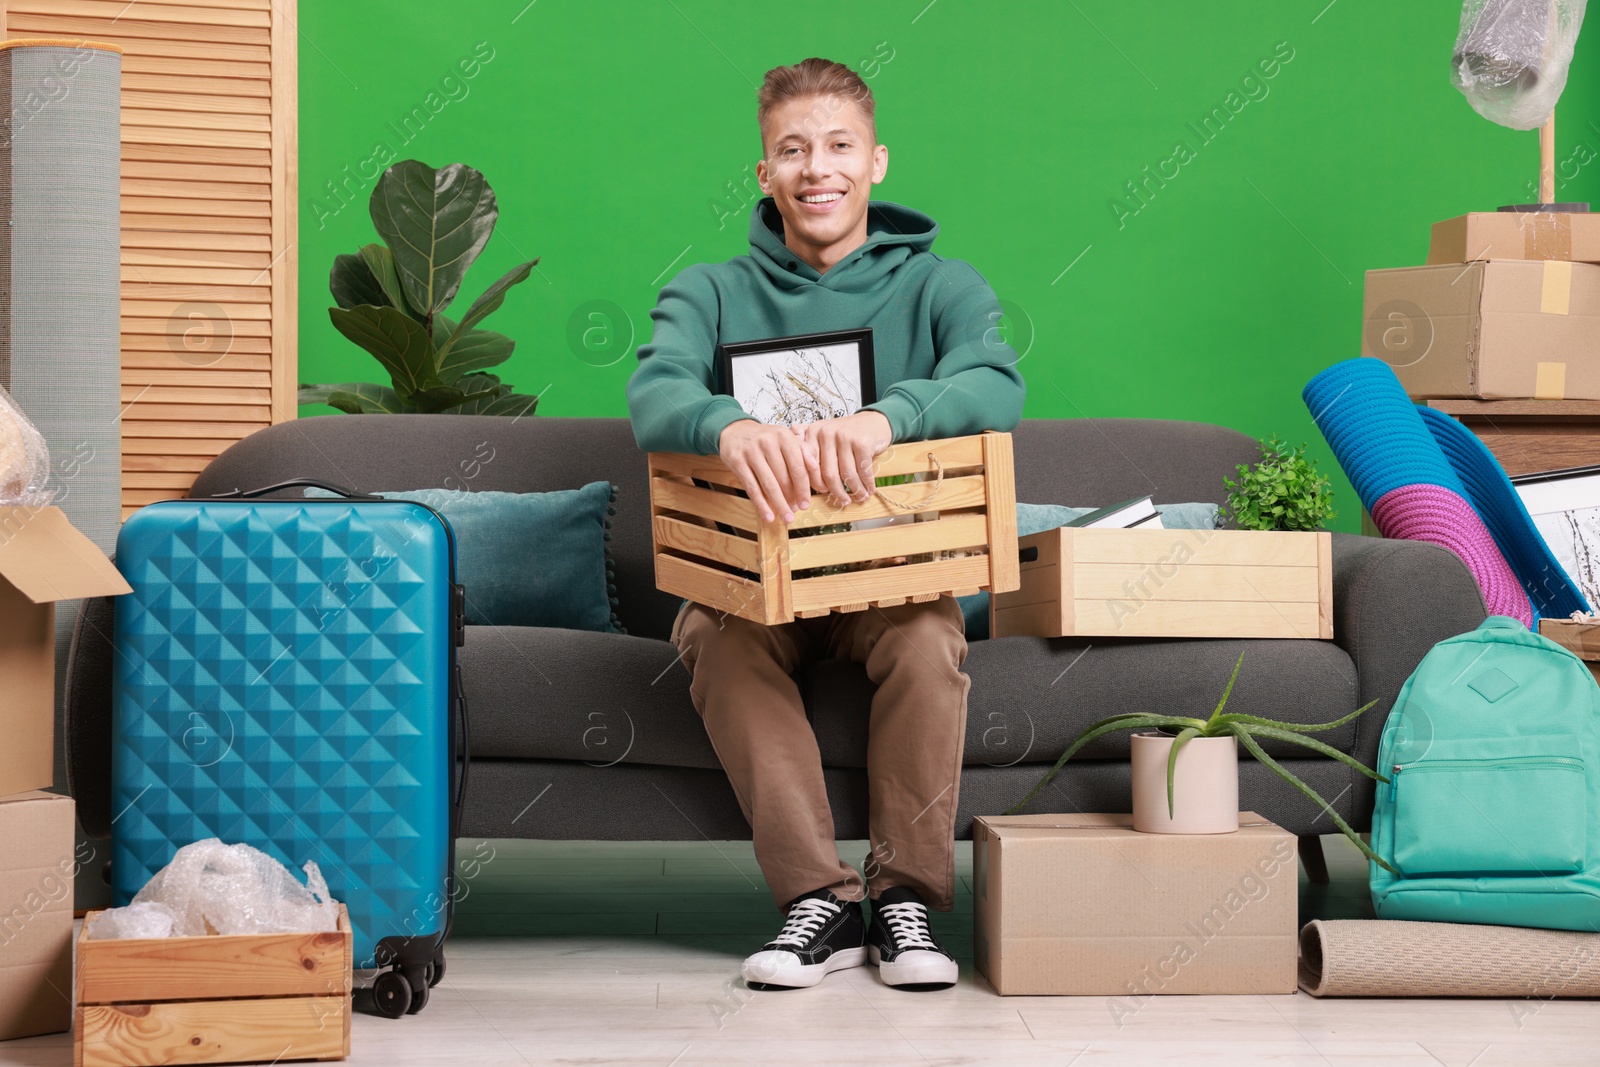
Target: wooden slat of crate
(198,968)
(270,1030)
(1170,583)
(711,587)
(704,541)
(854,546)
(1004,574)
(863,587)
(721,507)
(962,492)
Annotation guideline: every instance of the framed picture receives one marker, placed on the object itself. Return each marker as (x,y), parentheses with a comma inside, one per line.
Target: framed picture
(1565,506)
(787,381)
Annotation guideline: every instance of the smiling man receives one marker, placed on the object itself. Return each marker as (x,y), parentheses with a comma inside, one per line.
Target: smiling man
(824,256)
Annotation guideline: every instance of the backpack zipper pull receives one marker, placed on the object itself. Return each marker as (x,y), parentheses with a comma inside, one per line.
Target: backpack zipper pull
(1394,783)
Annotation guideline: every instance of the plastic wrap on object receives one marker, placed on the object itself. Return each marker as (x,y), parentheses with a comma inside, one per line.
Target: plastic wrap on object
(1511,57)
(145,919)
(212,888)
(24,459)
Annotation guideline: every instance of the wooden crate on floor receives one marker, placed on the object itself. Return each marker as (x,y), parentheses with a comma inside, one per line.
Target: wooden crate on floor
(711,546)
(251,998)
(1170,583)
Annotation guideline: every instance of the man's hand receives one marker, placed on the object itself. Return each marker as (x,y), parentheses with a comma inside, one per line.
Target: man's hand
(839,454)
(770,461)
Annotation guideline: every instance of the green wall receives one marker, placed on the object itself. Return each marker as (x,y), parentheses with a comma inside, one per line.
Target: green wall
(620,138)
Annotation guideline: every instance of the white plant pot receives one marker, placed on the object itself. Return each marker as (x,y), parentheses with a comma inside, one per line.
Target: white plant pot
(1205,785)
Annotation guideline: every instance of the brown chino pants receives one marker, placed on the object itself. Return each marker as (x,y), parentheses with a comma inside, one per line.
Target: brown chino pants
(742,687)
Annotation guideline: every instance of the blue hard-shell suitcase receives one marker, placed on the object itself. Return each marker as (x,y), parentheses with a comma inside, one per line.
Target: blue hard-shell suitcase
(285,676)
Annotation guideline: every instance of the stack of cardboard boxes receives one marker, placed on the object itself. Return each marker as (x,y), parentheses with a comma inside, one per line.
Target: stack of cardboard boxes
(43,559)
(1507,307)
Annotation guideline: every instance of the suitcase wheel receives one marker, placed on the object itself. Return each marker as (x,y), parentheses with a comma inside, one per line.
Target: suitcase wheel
(391,994)
(419,998)
(436,969)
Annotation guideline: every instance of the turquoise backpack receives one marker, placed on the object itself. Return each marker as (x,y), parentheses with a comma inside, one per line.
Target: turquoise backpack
(1492,809)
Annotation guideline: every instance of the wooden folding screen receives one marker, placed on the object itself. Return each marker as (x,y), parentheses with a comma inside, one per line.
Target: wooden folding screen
(209,185)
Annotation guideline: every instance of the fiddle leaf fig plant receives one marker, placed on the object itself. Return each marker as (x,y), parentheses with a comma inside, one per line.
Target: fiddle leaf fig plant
(392,299)
(1250,730)
(1283,491)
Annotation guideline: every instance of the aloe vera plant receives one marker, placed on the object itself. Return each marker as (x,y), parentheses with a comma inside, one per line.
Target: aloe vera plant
(1250,730)
(392,297)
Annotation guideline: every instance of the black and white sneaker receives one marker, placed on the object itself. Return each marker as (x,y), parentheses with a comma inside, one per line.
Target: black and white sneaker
(822,934)
(902,946)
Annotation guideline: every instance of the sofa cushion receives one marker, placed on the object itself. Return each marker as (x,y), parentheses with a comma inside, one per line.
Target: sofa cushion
(529,559)
(1031,697)
(539,693)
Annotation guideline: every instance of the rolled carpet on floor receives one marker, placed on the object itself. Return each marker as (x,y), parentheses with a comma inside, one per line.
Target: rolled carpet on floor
(1390,958)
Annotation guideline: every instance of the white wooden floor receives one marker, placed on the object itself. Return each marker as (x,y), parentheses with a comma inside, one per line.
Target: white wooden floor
(605,953)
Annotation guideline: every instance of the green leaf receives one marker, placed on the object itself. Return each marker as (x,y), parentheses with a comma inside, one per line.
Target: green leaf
(380,263)
(1231,679)
(1297,727)
(1130,721)
(513,404)
(1255,750)
(436,223)
(1178,742)
(477,350)
(468,387)
(482,307)
(355,398)
(399,342)
(1313,744)
(351,282)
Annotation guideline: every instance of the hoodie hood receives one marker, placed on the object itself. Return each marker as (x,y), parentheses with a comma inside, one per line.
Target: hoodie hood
(895,233)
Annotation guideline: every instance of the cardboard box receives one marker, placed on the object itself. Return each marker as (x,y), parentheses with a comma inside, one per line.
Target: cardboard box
(1169,583)
(1516,235)
(42,559)
(36,872)
(1582,639)
(1085,905)
(1498,329)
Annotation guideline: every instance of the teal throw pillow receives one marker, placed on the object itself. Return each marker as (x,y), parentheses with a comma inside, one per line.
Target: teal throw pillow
(530,559)
(1037,518)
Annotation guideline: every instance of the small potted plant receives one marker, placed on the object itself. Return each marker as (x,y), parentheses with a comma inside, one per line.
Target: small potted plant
(1210,794)
(1283,491)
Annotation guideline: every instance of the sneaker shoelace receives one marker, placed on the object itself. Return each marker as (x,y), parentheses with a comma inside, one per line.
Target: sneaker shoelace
(804,920)
(908,925)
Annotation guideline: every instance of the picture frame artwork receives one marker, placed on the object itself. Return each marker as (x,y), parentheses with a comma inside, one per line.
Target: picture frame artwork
(1565,508)
(789,381)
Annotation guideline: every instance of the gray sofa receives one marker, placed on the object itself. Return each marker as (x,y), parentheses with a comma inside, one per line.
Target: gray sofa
(592,736)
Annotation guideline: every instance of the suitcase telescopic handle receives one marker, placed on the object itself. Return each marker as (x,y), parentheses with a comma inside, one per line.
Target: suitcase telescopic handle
(293,483)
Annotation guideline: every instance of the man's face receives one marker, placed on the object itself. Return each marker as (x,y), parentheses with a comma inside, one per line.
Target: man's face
(821,165)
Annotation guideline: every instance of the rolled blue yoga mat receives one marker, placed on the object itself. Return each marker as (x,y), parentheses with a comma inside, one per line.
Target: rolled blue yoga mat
(1373,429)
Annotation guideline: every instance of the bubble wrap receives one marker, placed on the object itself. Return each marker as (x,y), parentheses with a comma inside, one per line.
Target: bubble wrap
(1511,57)
(212,888)
(24,459)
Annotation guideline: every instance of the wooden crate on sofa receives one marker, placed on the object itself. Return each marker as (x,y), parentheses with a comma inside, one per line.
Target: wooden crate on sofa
(711,546)
(248,998)
(1170,583)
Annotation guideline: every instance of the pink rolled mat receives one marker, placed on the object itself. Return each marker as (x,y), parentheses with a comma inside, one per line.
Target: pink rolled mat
(1442,517)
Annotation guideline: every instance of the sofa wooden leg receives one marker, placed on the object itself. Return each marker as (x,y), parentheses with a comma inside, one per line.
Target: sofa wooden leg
(1311,855)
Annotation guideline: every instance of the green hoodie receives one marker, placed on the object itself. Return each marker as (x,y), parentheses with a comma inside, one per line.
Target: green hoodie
(941,368)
